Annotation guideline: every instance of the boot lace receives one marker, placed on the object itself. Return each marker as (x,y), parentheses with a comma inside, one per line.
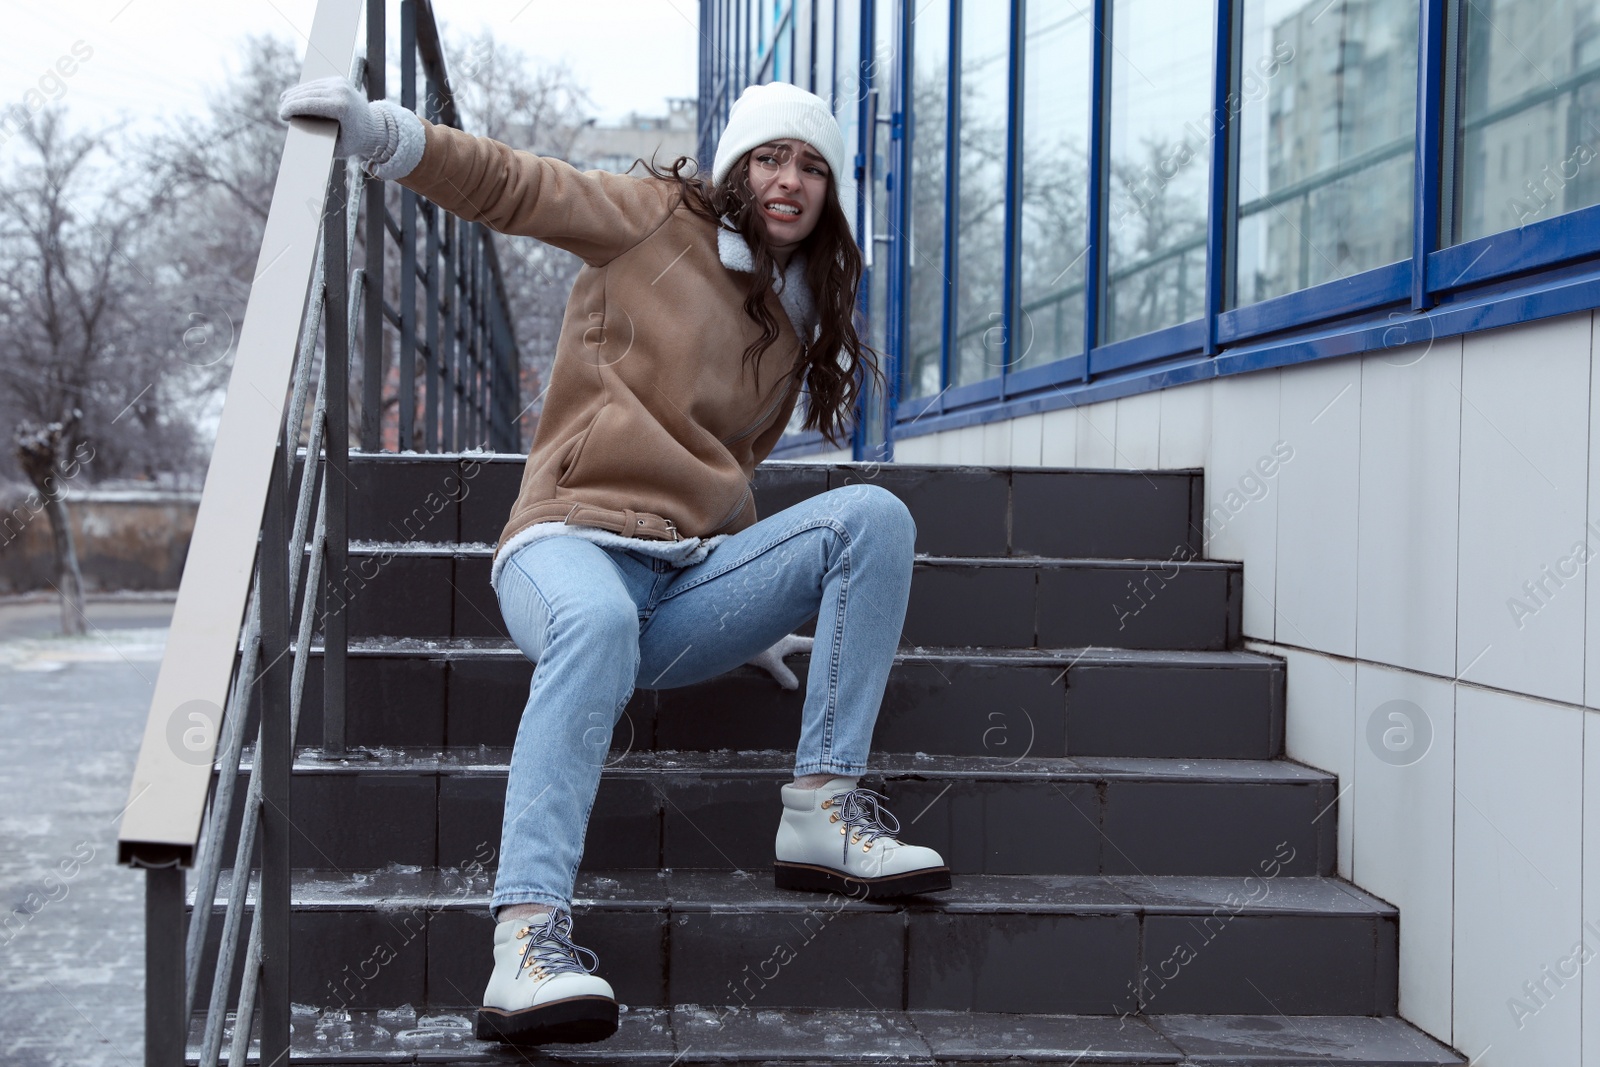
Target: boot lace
(862,810)
(550,949)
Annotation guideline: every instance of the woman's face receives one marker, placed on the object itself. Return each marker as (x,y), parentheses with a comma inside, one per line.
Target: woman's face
(789,179)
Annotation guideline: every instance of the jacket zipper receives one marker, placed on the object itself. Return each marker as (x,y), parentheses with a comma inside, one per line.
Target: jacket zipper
(765,415)
(733,514)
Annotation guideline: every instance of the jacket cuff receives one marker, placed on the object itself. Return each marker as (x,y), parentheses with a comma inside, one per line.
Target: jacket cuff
(405,151)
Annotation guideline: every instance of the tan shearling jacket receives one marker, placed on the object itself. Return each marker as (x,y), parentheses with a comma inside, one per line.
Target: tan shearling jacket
(649,411)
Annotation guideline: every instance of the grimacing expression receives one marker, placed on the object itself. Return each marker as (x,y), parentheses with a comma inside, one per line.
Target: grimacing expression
(789,181)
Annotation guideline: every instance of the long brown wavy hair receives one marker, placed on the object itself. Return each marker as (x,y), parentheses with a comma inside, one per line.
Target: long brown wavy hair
(833,270)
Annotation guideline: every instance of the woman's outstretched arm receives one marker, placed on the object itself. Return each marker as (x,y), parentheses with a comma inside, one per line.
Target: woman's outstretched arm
(594,214)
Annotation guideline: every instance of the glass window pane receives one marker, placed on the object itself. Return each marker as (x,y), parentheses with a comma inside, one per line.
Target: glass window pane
(980,215)
(825,53)
(1160,159)
(925,292)
(1055,180)
(781,69)
(1328,105)
(847,98)
(1530,113)
(882,75)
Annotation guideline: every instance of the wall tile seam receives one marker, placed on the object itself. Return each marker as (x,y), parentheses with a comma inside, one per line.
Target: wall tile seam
(1266,647)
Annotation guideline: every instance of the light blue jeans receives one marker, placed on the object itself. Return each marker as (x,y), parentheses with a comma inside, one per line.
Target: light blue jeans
(600,622)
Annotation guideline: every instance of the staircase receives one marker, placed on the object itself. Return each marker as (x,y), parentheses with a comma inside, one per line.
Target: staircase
(1140,876)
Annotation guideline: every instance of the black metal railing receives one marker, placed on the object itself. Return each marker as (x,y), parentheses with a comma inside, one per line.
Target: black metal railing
(272,533)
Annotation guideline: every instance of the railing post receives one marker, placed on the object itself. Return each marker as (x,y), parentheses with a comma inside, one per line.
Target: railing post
(275,754)
(406,387)
(165,1026)
(335,443)
(447,337)
(372,344)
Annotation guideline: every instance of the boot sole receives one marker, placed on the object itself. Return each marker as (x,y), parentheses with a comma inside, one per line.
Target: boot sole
(574,1020)
(812,879)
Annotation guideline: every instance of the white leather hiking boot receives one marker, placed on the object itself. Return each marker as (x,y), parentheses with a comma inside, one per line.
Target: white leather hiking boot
(838,838)
(539,991)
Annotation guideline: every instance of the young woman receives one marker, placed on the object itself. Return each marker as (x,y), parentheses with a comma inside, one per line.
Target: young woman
(700,312)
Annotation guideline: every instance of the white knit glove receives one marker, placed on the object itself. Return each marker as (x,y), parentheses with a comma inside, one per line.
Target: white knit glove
(382,134)
(771,660)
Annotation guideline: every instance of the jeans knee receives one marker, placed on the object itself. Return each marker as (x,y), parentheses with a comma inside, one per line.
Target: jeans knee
(883,513)
(602,626)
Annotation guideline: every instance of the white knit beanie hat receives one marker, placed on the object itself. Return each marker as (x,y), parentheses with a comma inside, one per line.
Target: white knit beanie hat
(776,110)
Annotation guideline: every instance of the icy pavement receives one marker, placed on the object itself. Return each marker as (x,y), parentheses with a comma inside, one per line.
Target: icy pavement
(71,921)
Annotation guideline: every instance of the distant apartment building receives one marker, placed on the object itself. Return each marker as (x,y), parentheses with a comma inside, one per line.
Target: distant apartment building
(616,147)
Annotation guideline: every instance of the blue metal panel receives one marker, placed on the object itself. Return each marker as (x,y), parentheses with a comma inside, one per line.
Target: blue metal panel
(865,135)
(1069,369)
(793,446)
(1176,340)
(952,127)
(977,392)
(1095,250)
(899,202)
(1544,243)
(1344,296)
(1222,208)
(1069,395)
(1012,213)
(1429,153)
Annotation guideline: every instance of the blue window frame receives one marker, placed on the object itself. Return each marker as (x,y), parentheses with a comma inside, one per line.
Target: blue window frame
(1412,170)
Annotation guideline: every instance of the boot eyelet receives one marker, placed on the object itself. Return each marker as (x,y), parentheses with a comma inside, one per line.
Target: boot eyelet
(867,847)
(834,817)
(855,838)
(844,829)
(522,933)
(827,803)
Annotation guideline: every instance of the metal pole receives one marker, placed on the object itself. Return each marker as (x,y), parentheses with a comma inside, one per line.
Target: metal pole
(336,366)
(372,345)
(406,389)
(275,754)
(165,1024)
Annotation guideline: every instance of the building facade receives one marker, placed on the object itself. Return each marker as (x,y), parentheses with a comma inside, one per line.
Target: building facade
(1155,233)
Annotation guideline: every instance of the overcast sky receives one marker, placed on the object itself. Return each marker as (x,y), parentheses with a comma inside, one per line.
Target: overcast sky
(148,57)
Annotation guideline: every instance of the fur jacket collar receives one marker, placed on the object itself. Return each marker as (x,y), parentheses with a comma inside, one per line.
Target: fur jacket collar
(794,292)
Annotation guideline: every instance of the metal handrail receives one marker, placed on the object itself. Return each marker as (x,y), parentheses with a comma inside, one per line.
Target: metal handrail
(251,573)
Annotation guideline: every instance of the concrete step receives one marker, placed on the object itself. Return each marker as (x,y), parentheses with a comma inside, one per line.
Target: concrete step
(689,1034)
(428,590)
(1006,703)
(1109,946)
(959,510)
(719,810)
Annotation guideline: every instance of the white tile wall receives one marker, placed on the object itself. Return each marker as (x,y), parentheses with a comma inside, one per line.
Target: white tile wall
(1518,877)
(1591,885)
(1591,537)
(1524,488)
(1185,426)
(1097,434)
(1026,440)
(1319,729)
(1320,418)
(1408,517)
(924,448)
(997,443)
(1491,446)
(1404,825)
(1244,428)
(1139,431)
(969,444)
(1059,441)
